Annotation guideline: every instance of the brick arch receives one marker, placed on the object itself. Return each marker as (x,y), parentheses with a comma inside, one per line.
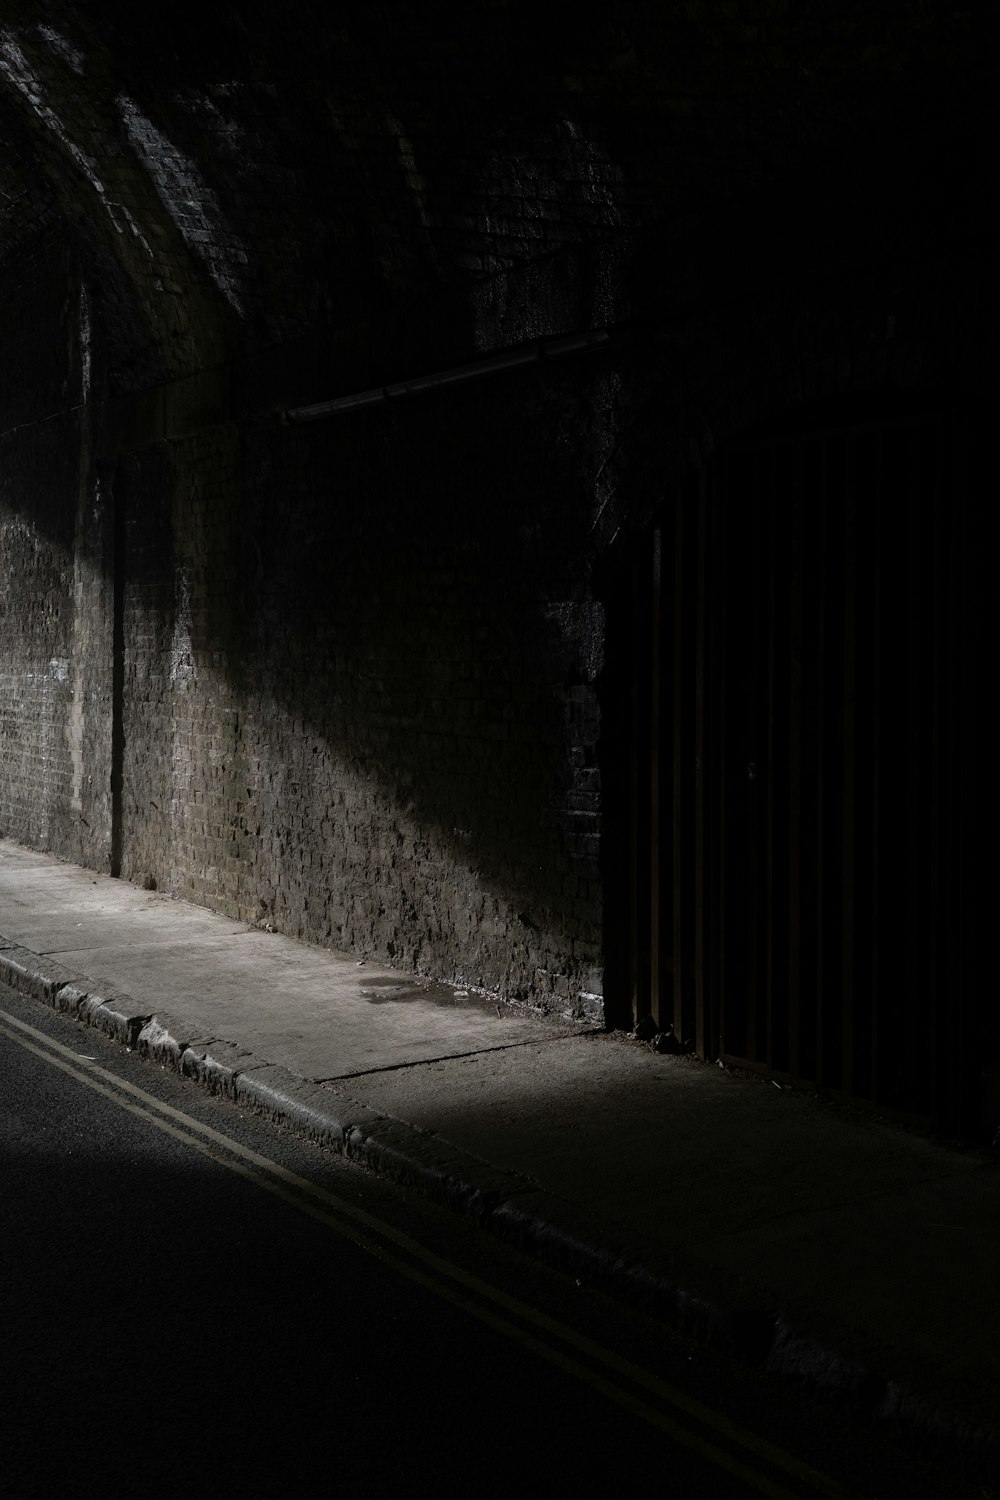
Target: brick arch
(135,208)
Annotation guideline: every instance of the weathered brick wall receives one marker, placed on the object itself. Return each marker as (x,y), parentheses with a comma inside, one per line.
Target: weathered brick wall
(142,499)
(435,648)
(360,664)
(54,640)
(360,673)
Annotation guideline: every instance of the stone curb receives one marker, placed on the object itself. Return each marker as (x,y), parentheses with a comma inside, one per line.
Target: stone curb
(514,1209)
(98,1004)
(215,1065)
(31,975)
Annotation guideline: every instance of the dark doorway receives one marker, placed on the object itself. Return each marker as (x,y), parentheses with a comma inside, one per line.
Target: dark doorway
(802,797)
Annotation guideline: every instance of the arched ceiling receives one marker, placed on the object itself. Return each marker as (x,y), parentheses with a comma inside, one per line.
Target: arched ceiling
(251,174)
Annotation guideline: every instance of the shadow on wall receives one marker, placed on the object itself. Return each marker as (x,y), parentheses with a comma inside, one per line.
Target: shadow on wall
(379,729)
(359,665)
(420,641)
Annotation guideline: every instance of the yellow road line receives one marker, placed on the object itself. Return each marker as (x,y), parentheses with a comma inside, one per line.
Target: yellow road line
(297,1192)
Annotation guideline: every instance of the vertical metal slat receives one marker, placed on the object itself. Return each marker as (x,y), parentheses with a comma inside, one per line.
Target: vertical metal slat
(654,773)
(772,622)
(938,562)
(701,957)
(715,779)
(794,781)
(877,543)
(821,604)
(638,751)
(751,786)
(912,937)
(848,751)
(679,767)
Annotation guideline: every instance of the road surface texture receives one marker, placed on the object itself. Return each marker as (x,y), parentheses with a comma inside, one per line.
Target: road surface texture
(195,1301)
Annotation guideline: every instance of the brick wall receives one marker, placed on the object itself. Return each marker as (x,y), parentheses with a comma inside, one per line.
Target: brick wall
(54,677)
(357,667)
(359,684)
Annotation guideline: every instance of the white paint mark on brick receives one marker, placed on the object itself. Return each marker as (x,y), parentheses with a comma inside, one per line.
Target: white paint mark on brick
(14,66)
(598,173)
(182,667)
(48,726)
(183,804)
(224,130)
(84,344)
(59,669)
(62,48)
(190,202)
(414,179)
(86,590)
(605,428)
(133,226)
(183,676)
(581,625)
(74,735)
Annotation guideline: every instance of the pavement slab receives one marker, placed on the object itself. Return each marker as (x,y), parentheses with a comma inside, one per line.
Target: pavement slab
(812,1237)
(319,1013)
(677,1148)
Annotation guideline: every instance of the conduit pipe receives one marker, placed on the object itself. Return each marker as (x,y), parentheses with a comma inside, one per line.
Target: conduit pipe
(494,364)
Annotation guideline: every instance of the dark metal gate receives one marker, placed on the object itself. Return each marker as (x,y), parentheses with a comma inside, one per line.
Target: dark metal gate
(673,818)
(802,758)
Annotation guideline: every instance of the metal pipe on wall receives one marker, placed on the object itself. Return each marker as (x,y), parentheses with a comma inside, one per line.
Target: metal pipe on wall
(559,347)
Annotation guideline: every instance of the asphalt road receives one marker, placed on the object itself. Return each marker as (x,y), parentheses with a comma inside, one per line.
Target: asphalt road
(195,1301)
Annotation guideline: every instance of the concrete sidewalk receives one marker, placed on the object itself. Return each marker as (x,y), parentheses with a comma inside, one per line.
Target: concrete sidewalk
(822,1243)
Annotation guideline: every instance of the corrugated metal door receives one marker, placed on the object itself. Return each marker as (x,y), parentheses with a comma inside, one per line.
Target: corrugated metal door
(800,762)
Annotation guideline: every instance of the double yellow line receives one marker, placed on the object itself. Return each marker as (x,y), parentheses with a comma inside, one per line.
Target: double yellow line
(756,1463)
